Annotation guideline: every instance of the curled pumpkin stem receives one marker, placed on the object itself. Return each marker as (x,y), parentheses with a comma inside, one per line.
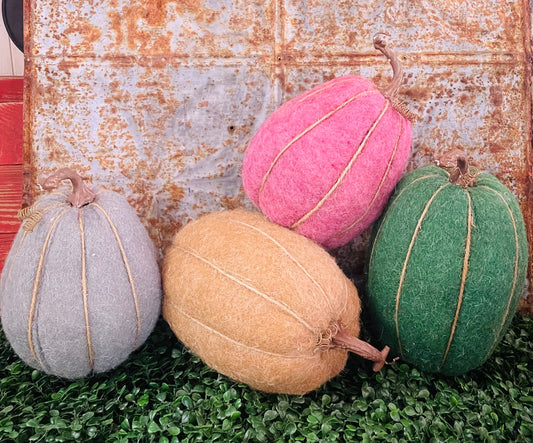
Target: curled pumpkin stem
(81,194)
(341,339)
(391,91)
(397,69)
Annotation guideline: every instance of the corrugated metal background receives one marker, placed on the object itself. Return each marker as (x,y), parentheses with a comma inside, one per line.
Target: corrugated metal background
(158,99)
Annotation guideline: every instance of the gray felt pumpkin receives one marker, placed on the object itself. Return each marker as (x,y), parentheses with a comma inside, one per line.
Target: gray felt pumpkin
(81,287)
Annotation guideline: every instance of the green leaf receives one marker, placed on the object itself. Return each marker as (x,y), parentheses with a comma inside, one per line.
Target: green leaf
(290,429)
(125,424)
(270,415)
(187,402)
(143,400)
(173,430)
(153,427)
(395,415)
(410,411)
(87,416)
(312,419)
(229,395)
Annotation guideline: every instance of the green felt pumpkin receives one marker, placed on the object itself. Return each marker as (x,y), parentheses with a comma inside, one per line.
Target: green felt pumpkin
(446,267)
(81,286)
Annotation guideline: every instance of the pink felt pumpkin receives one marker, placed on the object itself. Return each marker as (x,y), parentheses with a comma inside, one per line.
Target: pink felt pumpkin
(325,163)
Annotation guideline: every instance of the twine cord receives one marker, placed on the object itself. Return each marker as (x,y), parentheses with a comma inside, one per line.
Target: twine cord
(294,260)
(378,190)
(345,171)
(406,262)
(128,271)
(393,202)
(281,305)
(515,272)
(31,216)
(179,308)
(84,290)
(36,286)
(464,273)
(306,131)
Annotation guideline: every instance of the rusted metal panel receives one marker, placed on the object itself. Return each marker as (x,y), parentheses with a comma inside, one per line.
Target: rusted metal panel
(159,99)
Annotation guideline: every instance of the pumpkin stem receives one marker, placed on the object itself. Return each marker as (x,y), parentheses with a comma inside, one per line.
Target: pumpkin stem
(391,91)
(459,169)
(81,194)
(345,341)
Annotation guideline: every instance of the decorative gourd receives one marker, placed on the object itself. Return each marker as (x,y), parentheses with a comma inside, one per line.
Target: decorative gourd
(446,267)
(261,304)
(326,161)
(81,288)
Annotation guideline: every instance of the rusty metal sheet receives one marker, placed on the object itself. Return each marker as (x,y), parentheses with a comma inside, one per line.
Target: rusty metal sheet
(159,99)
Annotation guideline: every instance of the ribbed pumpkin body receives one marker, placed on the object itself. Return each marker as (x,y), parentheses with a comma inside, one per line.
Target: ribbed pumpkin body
(325,162)
(81,287)
(446,270)
(257,302)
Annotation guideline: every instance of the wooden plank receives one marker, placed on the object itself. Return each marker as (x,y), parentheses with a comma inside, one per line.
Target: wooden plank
(11,89)
(6,240)
(11,130)
(11,136)
(10,197)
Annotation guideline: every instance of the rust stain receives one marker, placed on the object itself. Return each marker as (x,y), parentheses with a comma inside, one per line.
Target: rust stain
(116,19)
(496,96)
(89,34)
(496,147)
(176,192)
(135,23)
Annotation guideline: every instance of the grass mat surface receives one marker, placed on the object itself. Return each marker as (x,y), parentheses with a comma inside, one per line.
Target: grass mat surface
(165,394)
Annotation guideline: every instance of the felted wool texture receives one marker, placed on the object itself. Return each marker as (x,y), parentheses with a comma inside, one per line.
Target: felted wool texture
(59,332)
(326,162)
(424,315)
(251,299)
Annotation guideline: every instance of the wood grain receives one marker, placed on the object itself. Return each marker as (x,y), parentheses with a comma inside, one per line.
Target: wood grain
(10,197)
(11,133)
(11,89)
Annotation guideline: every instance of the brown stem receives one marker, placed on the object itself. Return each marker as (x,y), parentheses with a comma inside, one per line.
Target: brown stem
(391,91)
(81,194)
(397,69)
(346,341)
(460,170)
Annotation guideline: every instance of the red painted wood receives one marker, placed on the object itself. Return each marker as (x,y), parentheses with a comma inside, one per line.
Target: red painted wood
(11,145)
(11,133)
(6,239)
(10,197)
(11,89)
